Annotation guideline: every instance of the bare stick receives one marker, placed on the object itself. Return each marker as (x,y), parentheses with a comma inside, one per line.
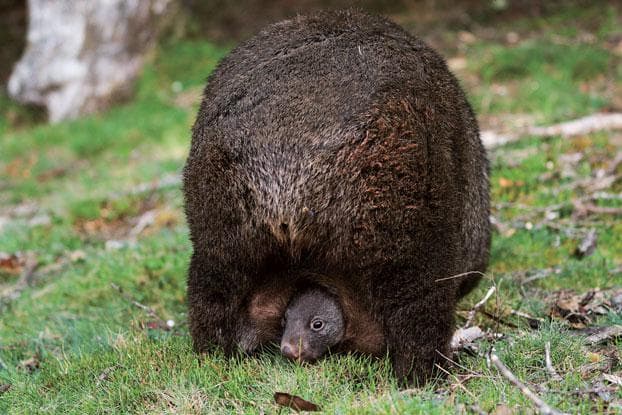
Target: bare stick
(150,311)
(534,322)
(460,385)
(549,364)
(524,315)
(613,166)
(498,320)
(541,273)
(26,279)
(463,274)
(169,180)
(581,126)
(542,406)
(583,209)
(453,362)
(479,305)
(604,334)
(475,408)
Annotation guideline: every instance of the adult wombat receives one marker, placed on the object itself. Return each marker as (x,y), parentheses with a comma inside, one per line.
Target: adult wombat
(335,148)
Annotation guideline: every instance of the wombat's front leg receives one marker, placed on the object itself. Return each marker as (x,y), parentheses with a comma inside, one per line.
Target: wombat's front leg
(418,330)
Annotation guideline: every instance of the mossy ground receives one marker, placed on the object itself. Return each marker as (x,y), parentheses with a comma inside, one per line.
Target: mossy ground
(71,343)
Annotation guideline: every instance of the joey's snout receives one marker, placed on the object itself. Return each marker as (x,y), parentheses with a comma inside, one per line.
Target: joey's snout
(296,350)
(312,324)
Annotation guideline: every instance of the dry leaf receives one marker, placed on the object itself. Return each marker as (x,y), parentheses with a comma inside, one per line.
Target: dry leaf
(568,307)
(105,375)
(4,387)
(579,309)
(502,409)
(30,365)
(593,357)
(503,182)
(10,263)
(294,402)
(52,174)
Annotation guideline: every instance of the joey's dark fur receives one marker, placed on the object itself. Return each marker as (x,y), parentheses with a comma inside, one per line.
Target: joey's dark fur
(335,148)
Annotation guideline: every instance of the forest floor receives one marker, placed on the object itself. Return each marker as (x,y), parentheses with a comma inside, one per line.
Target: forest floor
(94,246)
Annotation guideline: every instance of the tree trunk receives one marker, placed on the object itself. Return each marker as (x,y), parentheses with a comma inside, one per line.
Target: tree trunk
(84,55)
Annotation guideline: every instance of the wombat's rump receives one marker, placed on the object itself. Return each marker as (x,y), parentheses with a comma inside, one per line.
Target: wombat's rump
(336,145)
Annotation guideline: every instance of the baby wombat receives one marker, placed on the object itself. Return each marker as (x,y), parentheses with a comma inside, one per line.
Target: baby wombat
(313,323)
(318,319)
(335,148)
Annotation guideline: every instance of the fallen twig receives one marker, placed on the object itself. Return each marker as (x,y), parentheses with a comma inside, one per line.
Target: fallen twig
(580,126)
(145,220)
(466,369)
(542,406)
(25,280)
(105,374)
(33,272)
(477,410)
(604,335)
(150,311)
(541,273)
(169,180)
(582,209)
(478,305)
(596,390)
(458,382)
(549,364)
(590,184)
(498,319)
(534,322)
(613,166)
(462,274)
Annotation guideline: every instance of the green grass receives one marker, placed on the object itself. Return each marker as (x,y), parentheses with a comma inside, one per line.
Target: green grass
(98,353)
(540,77)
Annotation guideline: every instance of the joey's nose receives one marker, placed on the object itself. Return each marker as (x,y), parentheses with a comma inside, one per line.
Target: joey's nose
(290,351)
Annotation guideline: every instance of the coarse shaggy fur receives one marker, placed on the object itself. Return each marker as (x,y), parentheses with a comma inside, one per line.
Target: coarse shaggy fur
(335,145)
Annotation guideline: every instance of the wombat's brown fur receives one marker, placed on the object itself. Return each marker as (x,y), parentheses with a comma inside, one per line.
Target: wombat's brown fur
(335,145)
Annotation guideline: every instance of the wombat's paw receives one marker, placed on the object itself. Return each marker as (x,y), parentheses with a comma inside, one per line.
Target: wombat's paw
(409,371)
(248,339)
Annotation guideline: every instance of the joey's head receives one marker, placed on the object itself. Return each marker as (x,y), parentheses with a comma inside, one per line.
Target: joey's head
(313,322)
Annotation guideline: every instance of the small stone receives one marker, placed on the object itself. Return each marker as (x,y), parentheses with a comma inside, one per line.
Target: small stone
(177,87)
(40,220)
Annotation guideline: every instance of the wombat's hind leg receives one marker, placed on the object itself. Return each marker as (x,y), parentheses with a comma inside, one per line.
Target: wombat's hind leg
(219,283)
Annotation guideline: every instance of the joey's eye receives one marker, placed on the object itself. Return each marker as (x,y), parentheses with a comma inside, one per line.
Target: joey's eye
(317,324)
